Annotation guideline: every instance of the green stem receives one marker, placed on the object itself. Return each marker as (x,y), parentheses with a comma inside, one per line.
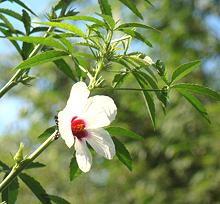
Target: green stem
(100,66)
(101,62)
(15,78)
(18,168)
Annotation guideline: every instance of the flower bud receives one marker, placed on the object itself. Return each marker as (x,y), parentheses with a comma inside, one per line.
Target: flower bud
(19,155)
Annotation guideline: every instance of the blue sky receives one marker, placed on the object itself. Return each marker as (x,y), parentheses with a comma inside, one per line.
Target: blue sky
(10,106)
(7,47)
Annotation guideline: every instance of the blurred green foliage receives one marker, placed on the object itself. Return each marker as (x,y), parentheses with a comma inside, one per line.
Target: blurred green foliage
(176,163)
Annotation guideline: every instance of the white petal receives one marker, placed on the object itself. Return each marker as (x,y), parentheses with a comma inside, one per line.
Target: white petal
(78,98)
(64,124)
(83,155)
(99,111)
(101,142)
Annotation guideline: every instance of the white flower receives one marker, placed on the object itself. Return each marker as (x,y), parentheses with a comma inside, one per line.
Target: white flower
(82,122)
(148,60)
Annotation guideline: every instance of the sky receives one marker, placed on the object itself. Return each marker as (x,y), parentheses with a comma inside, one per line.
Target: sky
(10,106)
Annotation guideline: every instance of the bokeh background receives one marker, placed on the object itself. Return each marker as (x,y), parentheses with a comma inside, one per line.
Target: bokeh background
(179,162)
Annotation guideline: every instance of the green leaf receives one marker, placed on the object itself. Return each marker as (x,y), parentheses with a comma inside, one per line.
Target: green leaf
(195,103)
(184,69)
(26,21)
(48,132)
(65,68)
(122,132)
(142,63)
(65,26)
(87,45)
(11,13)
(149,2)
(7,33)
(105,7)
(132,7)
(24,6)
(7,23)
(39,29)
(10,193)
(42,58)
(119,79)
(74,169)
(84,18)
(4,166)
(58,200)
(148,100)
(122,153)
(36,188)
(49,41)
(195,88)
(34,165)
(109,21)
(62,4)
(66,42)
(145,78)
(26,50)
(136,25)
(136,35)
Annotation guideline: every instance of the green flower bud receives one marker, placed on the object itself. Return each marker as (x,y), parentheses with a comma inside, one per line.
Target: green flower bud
(19,155)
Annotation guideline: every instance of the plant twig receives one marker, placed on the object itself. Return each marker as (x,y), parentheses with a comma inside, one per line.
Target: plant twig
(18,168)
(15,78)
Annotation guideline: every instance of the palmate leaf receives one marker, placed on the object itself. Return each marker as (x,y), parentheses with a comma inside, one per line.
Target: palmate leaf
(142,63)
(48,132)
(65,68)
(7,33)
(136,25)
(26,21)
(9,194)
(122,153)
(118,131)
(119,79)
(24,6)
(105,7)
(65,26)
(83,18)
(34,165)
(7,23)
(26,50)
(184,69)
(195,88)
(74,170)
(11,13)
(58,200)
(49,41)
(148,80)
(109,21)
(62,4)
(39,29)
(132,7)
(36,188)
(149,2)
(148,100)
(136,35)
(42,58)
(4,166)
(195,103)
(87,45)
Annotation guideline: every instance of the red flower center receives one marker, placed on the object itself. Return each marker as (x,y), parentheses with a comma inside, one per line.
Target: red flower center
(78,128)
